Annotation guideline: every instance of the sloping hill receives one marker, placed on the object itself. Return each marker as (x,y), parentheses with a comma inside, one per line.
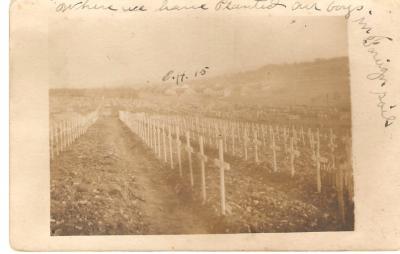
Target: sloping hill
(319,83)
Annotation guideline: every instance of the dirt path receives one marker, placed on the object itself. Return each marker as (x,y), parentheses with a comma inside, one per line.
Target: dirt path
(107,183)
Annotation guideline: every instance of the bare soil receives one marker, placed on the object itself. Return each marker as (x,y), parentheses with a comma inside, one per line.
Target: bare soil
(109,183)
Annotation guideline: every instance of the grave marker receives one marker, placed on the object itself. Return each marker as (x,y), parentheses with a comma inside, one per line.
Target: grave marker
(222,165)
(178,150)
(293,154)
(318,159)
(203,159)
(164,144)
(170,147)
(274,148)
(245,141)
(256,142)
(158,139)
(189,150)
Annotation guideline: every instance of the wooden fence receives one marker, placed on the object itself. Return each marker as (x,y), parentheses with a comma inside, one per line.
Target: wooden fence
(64,133)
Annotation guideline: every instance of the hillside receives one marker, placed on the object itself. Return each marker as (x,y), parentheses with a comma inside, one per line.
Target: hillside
(324,82)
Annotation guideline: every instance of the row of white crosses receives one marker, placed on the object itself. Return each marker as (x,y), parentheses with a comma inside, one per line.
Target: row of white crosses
(63,133)
(243,136)
(290,140)
(238,135)
(161,133)
(247,135)
(155,130)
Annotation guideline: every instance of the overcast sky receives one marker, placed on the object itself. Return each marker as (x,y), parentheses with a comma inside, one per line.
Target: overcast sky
(112,52)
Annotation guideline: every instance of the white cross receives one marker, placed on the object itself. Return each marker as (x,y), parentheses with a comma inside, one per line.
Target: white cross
(203,159)
(178,150)
(158,138)
(170,146)
(302,135)
(274,148)
(245,141)
(295,137)
(222,165)
(233,137)
(285,138)
(293,154)
(256,142)
(164,143)
(263,134)
(189,150)
(318,159)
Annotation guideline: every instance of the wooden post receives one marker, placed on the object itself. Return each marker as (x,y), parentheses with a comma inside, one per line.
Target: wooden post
(216,135)
(60,138)
(318,167)
(340,193)
(69,140)
(63,143)
(189,150)
(274,148)
(332,146)
(51,141)
(222,167)
(148,132)
(70,132)
(245,141)
(170,147)
(224,130)
(318,159)
(164,144)
(140,128)
(233,140)
(203,159)
(342,178)
(57,138)
(61,134)
(151,134)
(271,133)
(293,154)
(75,129)
(178,150)
(158,139)
(152,143)
(256,143)
(66,133)
(82,125)
(295,138)
(78,123)
(56,143)
(67,136)
(210,134)
(155,137)
(277,133)
(263,134)
(197,127)
(285,138)
(312,144)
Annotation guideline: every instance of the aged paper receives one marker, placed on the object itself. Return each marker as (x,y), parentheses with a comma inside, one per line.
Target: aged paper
(204,125)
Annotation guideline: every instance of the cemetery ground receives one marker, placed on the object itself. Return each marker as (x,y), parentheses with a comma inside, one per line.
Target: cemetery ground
(109,183)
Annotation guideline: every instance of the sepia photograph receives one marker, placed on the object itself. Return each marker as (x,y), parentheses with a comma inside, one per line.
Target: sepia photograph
(208,126)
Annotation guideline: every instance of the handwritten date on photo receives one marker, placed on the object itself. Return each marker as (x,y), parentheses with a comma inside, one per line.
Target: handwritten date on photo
(180,77)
